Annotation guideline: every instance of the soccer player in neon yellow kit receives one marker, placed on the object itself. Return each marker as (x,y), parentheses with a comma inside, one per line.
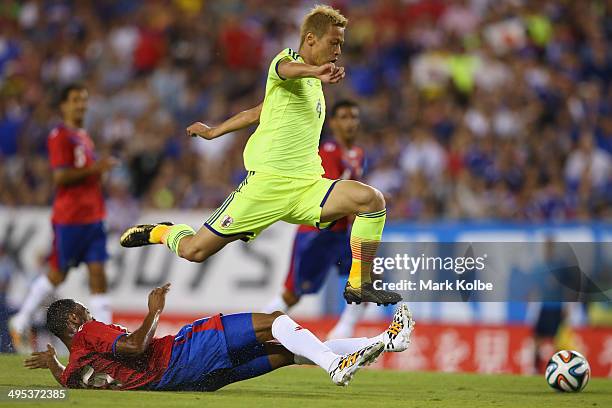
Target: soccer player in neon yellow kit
(284,181)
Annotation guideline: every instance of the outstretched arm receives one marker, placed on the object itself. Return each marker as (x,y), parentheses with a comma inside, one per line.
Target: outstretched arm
(46,359)
(239,121)
(328,73)
(138,341)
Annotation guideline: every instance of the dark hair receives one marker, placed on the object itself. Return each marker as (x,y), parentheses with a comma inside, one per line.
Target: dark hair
(57,315)
(65,91)
(343,103)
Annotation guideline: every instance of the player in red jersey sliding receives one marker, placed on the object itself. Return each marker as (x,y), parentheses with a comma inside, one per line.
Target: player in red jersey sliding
(316,251)
(77,217)
(206,354)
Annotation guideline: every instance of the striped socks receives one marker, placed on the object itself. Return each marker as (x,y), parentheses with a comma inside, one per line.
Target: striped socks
(175,233)
(365,239)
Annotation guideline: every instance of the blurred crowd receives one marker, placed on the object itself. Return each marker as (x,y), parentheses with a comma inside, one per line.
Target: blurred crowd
(472,109)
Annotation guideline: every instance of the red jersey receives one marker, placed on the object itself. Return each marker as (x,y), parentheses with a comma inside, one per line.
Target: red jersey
(82,202)
(93,362)
(339,163)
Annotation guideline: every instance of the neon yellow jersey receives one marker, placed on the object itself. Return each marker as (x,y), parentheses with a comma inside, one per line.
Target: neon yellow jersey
(286,142)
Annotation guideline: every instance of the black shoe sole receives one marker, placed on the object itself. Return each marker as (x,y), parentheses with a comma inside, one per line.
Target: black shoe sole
(359,301)
(350,302)
(132,242)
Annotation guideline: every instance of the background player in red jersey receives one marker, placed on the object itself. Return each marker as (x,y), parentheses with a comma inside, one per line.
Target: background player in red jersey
(78,213)
(316,251)
(205,355)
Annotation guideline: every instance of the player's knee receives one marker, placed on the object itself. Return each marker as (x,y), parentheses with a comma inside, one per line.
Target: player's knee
(56,277)
(272,317)
(97,287)
(292,302)
(379,200)
(97,281)
(276,314)
(269,321)
(290,298)
(370,199)
(193,253)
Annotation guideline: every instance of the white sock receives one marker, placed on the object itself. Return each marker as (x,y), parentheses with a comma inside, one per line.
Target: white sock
(342,346)
(345,327)
(348,346)
(302,342)
(41,288)
(277,304)
(101,308)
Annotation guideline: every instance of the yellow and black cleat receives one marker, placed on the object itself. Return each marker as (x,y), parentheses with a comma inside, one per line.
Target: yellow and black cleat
(397,335)
(139,235)
(344,368)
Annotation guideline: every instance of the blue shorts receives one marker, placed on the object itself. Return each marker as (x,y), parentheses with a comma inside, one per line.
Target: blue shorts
(213,352)
(73,244)
(314,253)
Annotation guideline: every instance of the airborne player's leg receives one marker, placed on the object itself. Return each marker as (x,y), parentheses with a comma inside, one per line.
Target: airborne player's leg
(180,239)
(368,205)
(259,201)
(322,201)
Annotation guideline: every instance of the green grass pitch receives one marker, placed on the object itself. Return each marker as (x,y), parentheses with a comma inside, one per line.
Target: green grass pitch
(298,387)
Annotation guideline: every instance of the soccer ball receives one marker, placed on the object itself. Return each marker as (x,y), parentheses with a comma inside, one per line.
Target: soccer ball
(568,371)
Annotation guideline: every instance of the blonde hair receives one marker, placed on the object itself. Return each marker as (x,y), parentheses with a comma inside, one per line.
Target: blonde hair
(319,19)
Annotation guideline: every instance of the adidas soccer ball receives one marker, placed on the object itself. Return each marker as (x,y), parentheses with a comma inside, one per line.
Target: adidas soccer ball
(568,371)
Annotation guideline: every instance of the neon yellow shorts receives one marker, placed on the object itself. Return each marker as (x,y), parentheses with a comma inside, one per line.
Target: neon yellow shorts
(263,199)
